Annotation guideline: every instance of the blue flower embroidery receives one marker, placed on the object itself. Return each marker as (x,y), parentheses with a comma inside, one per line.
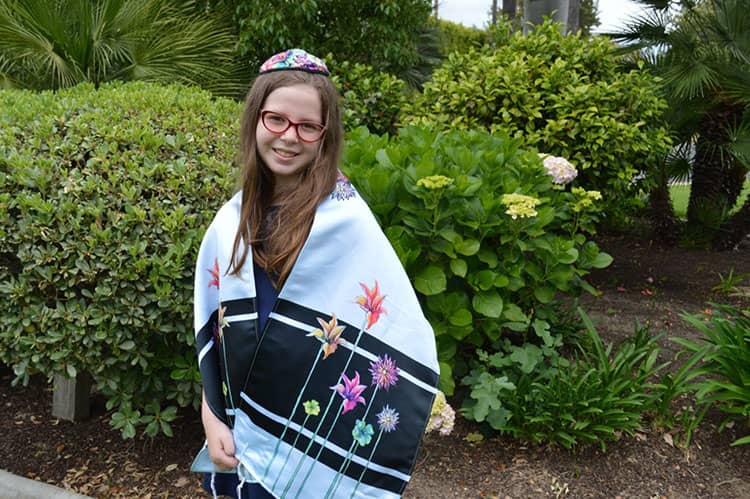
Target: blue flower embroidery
(344,189)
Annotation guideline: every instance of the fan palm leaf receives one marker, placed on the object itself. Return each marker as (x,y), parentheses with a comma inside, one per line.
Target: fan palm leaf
(59,43)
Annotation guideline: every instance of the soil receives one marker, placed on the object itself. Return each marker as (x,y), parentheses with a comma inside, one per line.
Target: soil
(646,283)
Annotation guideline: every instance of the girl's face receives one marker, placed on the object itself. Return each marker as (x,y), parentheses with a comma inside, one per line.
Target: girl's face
(284,154)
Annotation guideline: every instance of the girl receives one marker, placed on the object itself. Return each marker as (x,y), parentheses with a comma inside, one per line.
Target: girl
(292,280)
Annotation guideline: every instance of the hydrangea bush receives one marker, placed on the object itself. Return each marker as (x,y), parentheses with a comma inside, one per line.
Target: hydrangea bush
(564,95)
(485,234)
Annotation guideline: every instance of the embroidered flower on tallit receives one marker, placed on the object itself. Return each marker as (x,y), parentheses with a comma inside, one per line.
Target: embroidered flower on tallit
(329,335)
(384,372)
(372,303)
(387,419)
(220,324)
(362,433)
(350,391)
(312,407)
(214,274)
(343,189)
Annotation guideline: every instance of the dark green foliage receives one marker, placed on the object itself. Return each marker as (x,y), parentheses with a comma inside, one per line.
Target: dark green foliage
(531,392)
(383,34)
(481,272)
(724,353)
(563,95)
(455,37)
(372,98)
(104,196)
(701,49)
(49,44)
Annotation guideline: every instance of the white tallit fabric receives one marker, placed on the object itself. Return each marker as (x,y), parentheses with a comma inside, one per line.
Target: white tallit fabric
(332,398)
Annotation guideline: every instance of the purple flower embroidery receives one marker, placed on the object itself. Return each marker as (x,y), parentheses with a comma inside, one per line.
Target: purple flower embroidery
(343,189)
(384,372)
(351,392)
(387,419)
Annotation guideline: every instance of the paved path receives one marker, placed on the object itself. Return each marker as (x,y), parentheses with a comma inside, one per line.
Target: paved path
(16,487)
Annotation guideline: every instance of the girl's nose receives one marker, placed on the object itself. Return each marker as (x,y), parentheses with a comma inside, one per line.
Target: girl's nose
(290,135)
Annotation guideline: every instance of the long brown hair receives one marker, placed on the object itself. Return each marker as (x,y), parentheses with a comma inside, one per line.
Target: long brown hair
(275,246)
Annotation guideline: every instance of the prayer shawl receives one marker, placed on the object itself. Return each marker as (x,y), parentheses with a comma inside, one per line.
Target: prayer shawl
(332,398)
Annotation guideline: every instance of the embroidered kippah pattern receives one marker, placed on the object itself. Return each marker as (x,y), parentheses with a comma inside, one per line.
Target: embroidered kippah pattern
(294,59)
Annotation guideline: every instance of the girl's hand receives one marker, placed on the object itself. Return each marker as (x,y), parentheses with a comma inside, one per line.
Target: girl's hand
(219,438)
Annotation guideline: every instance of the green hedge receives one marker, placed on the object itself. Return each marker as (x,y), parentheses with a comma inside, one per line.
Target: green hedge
(564,95)
(487,259)
(104,196)
(372,98)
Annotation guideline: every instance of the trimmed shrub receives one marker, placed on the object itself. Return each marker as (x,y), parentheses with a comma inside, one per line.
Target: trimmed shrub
(483,232)
(104,196)
(563,95)
(455,37)
(372,98)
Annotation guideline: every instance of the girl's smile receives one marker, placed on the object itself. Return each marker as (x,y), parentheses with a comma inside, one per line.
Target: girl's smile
(284,154)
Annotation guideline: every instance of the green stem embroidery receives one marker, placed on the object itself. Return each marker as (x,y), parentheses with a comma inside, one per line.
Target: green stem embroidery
(320,423)
(369,460)
(294,409)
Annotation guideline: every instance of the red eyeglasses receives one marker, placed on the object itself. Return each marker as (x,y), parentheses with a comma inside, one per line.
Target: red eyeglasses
(277,124)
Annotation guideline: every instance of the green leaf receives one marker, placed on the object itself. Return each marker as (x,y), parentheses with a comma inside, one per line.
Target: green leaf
(544,294)
(601,261)
(527,357)
(430,281)
(467,247)
(459,267)
(447,384)
(71,371)
(127,345)
(488,303)
(461,318)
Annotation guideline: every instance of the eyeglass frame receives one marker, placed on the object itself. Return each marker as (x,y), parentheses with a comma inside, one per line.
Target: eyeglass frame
(291,124)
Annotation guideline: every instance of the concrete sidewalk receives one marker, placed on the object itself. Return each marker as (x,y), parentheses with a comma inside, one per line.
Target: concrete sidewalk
(16,487)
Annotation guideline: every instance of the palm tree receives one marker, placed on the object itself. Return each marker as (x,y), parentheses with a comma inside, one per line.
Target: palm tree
(50,44)
(702,51)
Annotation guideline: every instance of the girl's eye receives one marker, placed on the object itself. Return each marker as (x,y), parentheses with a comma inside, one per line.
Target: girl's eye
(310,127)
(276,119)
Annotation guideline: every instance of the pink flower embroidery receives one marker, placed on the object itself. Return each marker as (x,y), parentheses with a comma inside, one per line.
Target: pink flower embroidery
(384,372)
(372,303)
(214,274)
(351,392)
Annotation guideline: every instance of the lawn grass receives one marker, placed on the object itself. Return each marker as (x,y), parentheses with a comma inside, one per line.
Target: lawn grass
(680,194)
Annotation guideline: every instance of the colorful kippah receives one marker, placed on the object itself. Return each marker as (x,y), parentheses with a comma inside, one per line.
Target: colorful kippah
(294,59)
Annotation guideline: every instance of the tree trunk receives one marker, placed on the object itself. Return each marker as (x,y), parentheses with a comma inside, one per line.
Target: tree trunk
(574,11)
(534,12)
(509,9)
(735,230)
(664,224)
(716,178)
(494,12)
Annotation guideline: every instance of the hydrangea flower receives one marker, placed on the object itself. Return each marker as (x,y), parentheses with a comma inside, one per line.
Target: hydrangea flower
(435,182)
(585,198)
(520,205)
(387,419)
(561,171)
(362,433)
(442,416)
(384,372)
